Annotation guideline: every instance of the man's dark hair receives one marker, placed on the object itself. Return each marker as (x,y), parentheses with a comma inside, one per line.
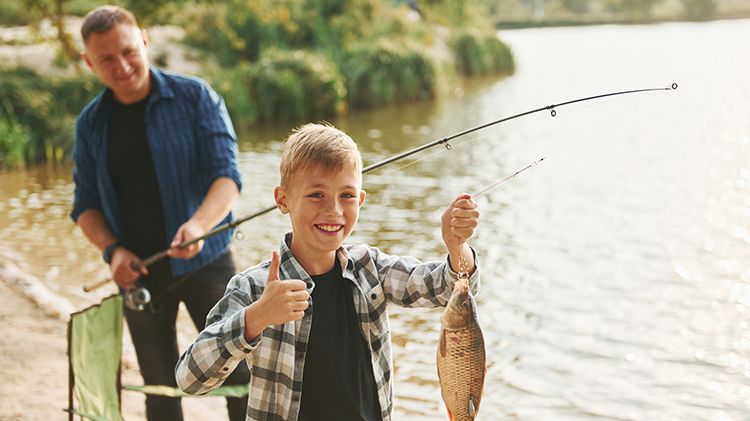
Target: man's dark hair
(104,18)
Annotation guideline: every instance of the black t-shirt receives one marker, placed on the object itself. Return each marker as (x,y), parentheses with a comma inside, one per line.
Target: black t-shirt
(132,170)
(338,382)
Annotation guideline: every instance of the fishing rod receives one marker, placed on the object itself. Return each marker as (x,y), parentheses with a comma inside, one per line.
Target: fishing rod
(442,141)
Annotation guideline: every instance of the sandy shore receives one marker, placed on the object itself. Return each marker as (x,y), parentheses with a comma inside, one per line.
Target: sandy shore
(35,365)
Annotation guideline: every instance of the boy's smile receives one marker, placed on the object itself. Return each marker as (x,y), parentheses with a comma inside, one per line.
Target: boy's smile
(323,206)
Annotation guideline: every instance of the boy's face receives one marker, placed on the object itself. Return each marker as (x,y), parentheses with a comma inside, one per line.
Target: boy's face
(323,207)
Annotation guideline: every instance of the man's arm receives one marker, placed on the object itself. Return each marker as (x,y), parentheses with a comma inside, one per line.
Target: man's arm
(215,206)
(95,228)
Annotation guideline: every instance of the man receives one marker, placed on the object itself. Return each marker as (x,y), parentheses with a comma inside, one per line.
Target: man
(155,165)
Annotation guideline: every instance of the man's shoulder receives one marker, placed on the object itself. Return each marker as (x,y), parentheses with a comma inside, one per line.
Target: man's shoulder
(90,110)
(182,84)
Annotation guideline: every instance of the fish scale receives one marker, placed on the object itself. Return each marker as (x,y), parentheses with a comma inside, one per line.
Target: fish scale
(461,357)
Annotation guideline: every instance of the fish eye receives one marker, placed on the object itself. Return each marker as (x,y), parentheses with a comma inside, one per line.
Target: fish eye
(465,304)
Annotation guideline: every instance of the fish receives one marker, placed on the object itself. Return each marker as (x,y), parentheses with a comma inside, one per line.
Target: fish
(461,359)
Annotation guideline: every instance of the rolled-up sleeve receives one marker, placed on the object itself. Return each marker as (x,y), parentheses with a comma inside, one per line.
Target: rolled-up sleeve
(409,282)
(219,347)
(217,141)
(86,195)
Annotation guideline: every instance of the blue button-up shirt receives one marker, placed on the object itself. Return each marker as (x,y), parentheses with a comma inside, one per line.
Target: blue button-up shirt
(192,143)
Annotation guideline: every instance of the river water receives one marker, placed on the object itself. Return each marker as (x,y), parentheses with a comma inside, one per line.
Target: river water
(616,274)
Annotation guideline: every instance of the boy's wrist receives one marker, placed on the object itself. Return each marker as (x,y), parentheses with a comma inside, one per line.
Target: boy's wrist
(254,325)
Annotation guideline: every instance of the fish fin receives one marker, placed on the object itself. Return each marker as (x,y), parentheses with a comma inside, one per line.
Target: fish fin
(472,408)
(442,344)
(450,414)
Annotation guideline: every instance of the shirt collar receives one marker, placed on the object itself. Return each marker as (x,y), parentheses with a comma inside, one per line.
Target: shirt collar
(159,89)
(294,270)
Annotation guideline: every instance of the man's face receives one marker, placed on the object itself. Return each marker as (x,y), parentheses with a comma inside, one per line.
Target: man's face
(119,58)
(323,207)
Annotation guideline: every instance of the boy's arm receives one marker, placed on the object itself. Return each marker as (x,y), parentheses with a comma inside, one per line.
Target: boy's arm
(220,346)
(457,225)
(408,282)
(235,325)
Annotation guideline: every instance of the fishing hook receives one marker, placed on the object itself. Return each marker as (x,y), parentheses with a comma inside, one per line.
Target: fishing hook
(163,254)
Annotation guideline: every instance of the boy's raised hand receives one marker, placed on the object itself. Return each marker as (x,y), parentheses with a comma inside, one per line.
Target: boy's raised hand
(281,302)
(459,221)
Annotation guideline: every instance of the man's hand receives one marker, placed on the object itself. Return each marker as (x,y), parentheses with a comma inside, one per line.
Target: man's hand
(281,302)
(188,231)
(125,268)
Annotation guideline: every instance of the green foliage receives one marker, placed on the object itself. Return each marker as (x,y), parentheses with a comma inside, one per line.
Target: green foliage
(232,84)
(13,138)
(12,13)
(384,72)
(480,54)
(237,31)
(229,37)
(44,108)
(700,9)
(293,85)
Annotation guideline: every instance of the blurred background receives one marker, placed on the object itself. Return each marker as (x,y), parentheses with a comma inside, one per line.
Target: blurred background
(616,274)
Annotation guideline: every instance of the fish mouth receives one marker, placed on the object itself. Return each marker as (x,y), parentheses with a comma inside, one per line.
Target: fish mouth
(329,228)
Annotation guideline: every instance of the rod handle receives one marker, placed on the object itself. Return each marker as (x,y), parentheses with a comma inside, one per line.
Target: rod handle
(96,285)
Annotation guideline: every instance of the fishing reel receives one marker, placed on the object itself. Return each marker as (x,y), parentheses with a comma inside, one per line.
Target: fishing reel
(137,298)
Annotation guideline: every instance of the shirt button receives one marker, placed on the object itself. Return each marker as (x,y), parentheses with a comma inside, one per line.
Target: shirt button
(295,397)
(373,295)
(224,369)
(309,285)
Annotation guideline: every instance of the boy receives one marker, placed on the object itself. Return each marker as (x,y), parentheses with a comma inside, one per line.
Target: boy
(312,322)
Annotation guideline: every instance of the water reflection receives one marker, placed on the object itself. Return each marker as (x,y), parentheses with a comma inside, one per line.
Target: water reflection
(616,276)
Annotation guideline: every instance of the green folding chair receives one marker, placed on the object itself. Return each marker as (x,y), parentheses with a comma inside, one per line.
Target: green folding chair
(94,354)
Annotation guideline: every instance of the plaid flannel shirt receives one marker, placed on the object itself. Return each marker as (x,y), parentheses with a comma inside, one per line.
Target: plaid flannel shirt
(276,358)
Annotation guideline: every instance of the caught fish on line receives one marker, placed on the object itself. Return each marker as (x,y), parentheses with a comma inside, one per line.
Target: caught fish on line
(461,357)
(461,360)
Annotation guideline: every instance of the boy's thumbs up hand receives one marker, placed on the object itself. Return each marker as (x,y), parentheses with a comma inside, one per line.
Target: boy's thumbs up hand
(273,270)
(281,302)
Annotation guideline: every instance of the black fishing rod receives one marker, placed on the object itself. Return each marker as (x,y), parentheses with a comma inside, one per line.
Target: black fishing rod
(442,141)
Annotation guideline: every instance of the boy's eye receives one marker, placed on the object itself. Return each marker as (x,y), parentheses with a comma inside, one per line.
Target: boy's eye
(316,195)
(348,195)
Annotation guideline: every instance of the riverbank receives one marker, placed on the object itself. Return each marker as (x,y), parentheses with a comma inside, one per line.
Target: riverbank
(34,350)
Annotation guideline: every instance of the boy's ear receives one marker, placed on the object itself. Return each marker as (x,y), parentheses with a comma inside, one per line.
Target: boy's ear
(279,194)
(362,195)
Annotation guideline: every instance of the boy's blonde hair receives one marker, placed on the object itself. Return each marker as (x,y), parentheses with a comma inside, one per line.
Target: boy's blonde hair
(317,145)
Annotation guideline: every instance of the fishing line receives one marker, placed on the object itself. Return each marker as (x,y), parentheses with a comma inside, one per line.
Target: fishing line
(499,182)
(442,141)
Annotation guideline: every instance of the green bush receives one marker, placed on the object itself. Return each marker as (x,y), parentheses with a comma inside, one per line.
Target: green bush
(13,138)
(480,54)
(293,85)
(384,72)
(45,107)
(233,85)
(229,37)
